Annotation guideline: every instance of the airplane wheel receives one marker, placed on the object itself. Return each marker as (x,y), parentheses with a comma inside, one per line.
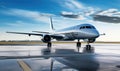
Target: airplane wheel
(78,44)
(88,47)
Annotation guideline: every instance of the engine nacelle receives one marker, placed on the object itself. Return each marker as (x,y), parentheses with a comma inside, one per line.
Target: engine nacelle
(46,38)
(91,40)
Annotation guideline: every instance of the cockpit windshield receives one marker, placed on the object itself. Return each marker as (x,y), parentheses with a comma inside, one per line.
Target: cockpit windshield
(87,27)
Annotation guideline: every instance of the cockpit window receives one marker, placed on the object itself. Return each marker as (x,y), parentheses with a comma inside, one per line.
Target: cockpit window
(87,27)
(93,27)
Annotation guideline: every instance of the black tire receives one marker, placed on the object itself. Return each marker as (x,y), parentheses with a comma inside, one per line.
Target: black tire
(88,47)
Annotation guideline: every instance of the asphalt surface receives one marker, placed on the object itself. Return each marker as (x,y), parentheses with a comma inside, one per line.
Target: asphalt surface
(106,55)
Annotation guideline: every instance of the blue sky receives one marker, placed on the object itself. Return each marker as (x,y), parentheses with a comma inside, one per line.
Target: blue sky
(32,15)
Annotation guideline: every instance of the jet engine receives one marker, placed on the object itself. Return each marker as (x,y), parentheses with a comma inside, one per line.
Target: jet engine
(89,40)
(46,38)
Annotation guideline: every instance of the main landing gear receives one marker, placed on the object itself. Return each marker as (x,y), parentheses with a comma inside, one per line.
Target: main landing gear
(78,45)
(49,44)
(48,49)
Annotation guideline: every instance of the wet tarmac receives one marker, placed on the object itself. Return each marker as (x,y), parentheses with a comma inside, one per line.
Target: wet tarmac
(103,57)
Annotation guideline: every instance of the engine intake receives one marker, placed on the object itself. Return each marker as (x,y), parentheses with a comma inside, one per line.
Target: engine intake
(46,38)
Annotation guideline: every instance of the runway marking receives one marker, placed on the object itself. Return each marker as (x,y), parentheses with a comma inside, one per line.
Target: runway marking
(24,65)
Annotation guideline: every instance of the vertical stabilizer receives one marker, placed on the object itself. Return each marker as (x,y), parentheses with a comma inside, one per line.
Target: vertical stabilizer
(51,25)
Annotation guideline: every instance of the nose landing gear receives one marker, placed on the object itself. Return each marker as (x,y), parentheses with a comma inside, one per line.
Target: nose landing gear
(88,46)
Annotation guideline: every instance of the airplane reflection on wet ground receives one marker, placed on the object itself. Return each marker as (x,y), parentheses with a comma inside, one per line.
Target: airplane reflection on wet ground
(103,57)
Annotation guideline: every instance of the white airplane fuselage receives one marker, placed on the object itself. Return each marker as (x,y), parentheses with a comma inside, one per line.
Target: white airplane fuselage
(82,31)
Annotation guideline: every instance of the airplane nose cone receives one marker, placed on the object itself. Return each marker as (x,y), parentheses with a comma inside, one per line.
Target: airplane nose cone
(94,33)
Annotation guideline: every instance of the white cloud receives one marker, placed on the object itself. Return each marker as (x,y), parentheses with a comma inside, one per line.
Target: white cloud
(76,4)
(90,11)
(65,12)
(110,16)
(32,15)
(73,4)
(17,23)
(72,15)
(78,8)
(110,12)
(69,5)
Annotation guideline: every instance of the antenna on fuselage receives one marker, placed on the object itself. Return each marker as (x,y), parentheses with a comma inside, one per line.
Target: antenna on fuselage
(51,24)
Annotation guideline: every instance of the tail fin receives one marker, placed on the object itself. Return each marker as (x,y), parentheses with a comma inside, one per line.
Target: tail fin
(51,25)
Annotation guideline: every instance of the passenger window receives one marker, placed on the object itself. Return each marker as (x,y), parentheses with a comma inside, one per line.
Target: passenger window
(93,27)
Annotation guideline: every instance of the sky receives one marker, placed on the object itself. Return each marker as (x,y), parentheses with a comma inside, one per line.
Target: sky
(33,15)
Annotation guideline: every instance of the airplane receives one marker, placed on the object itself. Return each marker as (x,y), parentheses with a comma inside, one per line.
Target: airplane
(83,31)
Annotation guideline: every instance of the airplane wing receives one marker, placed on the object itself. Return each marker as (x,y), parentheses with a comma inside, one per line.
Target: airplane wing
(53,35)
(39,34)
(26,33)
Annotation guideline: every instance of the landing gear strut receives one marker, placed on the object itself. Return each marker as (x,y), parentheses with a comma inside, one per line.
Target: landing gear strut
(78,45)
(49,44)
